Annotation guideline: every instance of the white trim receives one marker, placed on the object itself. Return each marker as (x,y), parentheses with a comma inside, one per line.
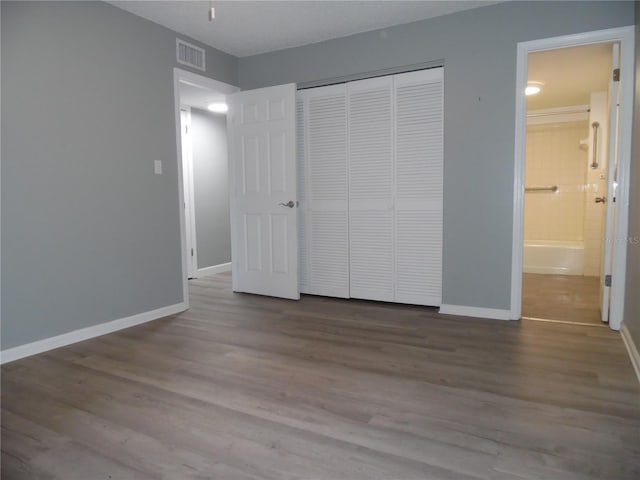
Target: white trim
(621,232)
(231,153)
(206,271)
(632,349)
(625,35)
(189,198)
(180,75)
(201,81)
(183,232)
(479,312)
(383,72)
(39,346)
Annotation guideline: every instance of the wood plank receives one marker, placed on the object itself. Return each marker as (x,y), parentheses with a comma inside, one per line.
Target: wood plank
(249,387)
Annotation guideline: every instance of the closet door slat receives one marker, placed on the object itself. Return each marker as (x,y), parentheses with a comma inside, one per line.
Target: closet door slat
(419,124)
(303,174)
(371,188)
(327,194)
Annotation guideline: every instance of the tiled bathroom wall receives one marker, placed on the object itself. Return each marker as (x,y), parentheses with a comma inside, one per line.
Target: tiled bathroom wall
(554,157)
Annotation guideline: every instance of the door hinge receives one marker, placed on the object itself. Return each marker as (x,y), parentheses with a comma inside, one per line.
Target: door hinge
(607,280)
(616,74)
(192,252)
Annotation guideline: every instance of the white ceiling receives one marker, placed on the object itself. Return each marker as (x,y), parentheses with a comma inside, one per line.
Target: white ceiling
(244,28)
(569,75)
(199,97)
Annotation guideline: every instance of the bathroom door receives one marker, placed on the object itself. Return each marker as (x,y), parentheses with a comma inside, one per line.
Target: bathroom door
(612,175)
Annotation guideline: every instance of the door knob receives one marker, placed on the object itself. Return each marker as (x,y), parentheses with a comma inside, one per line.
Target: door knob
(601,199)
(289,204)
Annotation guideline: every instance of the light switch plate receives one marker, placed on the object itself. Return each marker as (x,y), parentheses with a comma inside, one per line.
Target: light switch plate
(157,167)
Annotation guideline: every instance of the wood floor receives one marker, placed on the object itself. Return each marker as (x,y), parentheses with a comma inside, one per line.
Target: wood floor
(572,298)
(248,387)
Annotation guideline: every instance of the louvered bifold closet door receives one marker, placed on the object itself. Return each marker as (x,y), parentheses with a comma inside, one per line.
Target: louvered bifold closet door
(419,186)
(302,181)
(326,213)
(371,188)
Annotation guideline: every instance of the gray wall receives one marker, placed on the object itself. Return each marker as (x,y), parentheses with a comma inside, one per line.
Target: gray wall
(210,185)
(632,297)
(479,51)
(89,233)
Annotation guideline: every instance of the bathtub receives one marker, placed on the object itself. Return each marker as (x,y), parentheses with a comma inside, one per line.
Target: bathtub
(553,257)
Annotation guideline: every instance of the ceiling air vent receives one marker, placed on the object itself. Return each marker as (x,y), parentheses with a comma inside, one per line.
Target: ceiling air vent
(190,55)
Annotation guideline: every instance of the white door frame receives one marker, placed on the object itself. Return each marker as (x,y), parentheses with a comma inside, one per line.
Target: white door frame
(191,245)
(625,35)
(180,75)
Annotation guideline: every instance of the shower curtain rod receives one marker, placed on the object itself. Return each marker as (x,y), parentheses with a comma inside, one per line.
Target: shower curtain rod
(558,112)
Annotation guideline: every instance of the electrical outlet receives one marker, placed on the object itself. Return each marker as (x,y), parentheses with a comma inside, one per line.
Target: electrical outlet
(157,167)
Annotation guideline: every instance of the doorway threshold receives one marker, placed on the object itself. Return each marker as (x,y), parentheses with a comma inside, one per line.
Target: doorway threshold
(566,322)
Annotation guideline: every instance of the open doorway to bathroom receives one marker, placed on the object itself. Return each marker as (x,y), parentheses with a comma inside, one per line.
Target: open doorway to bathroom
(571,107)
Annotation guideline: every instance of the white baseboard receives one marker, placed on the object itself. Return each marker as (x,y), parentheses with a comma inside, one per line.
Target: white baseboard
(632,349)
(39,346)
(479,312)
(223,267)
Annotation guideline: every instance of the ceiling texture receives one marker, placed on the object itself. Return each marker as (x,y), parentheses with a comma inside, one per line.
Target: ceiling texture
(244,28)
(569,75)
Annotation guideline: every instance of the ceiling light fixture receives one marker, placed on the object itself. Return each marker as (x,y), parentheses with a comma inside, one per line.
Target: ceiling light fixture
(533,88)
(212,11)
(218,107)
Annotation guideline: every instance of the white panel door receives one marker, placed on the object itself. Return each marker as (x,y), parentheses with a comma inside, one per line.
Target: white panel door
(418,99)
(262,130)
(371,188)
(612,174)
(326,199)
